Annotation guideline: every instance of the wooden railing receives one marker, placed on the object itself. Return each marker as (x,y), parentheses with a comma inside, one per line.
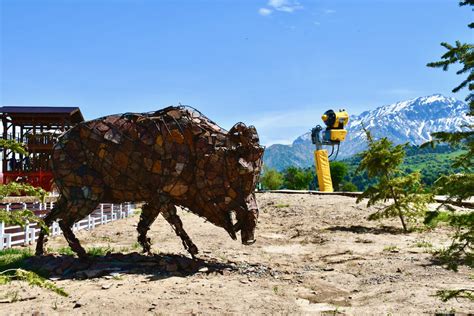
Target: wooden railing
(11,236)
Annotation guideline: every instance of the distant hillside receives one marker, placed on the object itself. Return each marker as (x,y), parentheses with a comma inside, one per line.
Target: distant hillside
(430,162)
(409,121)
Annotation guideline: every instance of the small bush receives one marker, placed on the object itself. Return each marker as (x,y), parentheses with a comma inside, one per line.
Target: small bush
(349,187)
(406,195)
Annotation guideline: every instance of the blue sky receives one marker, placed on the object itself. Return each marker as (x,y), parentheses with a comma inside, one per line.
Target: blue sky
(276,64)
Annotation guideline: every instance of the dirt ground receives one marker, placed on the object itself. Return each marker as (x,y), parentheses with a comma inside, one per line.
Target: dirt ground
(313,255)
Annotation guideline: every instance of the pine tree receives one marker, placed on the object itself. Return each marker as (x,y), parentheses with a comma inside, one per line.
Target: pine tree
(403,194)
(463,54)
(458,187)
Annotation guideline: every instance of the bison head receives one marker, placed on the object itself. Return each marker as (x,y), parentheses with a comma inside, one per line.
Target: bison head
(226,179)
(244,162)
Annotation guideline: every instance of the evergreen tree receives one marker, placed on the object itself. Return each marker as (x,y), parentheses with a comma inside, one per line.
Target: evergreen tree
(463,54)
(382,161)
(460,186)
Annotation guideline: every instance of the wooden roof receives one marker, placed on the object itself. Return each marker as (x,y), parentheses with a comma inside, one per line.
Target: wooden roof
(42,113)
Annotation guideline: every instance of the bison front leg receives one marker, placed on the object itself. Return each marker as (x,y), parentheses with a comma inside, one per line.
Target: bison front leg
(169,213)
(147,217)
(72,239)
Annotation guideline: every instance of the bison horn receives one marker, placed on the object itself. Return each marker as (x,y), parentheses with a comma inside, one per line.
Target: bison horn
(237,226)
(229,226)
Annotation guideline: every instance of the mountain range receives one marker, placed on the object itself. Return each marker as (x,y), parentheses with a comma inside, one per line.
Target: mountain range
(410,121)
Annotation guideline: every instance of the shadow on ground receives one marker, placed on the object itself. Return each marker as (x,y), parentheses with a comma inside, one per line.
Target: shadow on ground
(357,229)
(157,266)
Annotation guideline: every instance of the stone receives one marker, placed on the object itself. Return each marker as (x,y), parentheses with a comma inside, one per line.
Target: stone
(156,167)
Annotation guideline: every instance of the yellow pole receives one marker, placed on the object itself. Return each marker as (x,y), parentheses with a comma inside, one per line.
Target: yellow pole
(322,169)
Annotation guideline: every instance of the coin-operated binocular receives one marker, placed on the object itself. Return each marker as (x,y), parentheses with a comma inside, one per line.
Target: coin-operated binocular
(332,136)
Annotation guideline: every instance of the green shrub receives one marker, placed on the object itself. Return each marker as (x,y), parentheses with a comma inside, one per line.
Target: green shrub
(349,187)
(403,195)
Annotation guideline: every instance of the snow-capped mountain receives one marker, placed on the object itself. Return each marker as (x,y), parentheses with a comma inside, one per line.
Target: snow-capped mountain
(410,121)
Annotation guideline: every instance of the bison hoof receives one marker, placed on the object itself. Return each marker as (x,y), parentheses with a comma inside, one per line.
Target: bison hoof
(249,242)
(193,250)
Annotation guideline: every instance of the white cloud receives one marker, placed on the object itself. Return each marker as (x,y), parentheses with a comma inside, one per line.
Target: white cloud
(285,5)
(264,11)
(329,11)
(317,23)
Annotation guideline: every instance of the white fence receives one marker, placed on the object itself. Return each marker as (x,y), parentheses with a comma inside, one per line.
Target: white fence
(11,236)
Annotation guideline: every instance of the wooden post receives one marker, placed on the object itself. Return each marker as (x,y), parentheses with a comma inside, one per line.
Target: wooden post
(5,136)
(102,214)
(33,235)
(55,229)
(113,215)
(9,241)
(27,233)
(2,233)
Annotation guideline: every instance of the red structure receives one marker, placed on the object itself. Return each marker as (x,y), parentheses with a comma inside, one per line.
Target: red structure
(37,128)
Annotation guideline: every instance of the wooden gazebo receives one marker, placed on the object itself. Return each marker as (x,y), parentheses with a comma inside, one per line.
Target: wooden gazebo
(38,128)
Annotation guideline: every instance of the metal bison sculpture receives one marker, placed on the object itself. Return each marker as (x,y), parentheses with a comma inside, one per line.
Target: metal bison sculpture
(172,157)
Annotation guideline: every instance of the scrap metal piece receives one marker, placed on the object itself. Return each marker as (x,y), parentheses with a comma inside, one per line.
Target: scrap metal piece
(172,157)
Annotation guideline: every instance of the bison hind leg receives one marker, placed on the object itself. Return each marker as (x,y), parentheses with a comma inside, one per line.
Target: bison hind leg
(147,217)
(48,221)
(77,210)
(72,239)
(169,213)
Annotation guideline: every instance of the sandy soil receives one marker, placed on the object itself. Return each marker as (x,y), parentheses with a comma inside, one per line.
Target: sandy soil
(314,254)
